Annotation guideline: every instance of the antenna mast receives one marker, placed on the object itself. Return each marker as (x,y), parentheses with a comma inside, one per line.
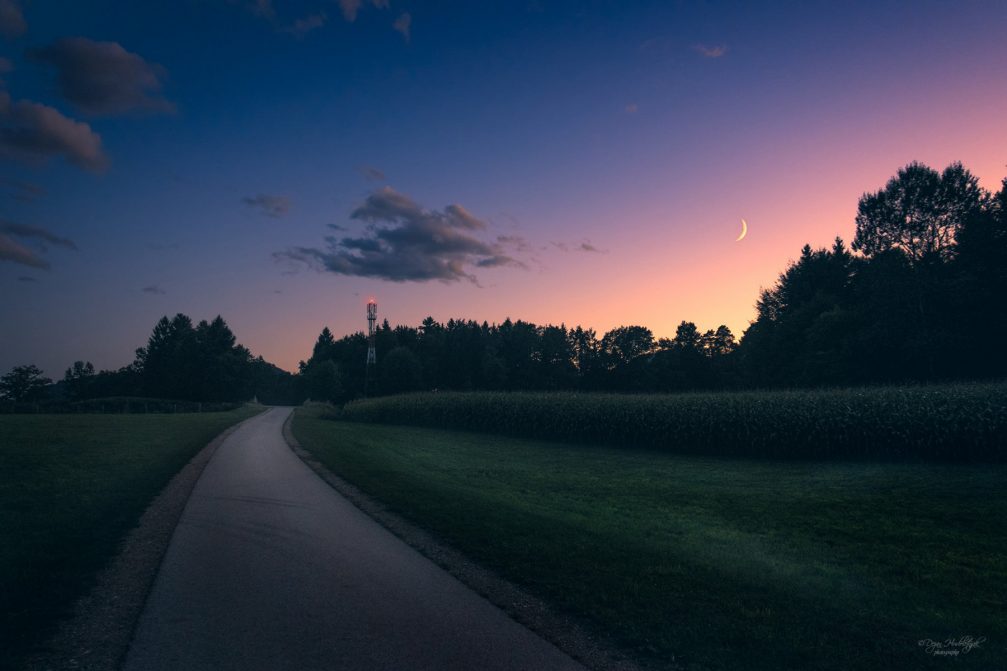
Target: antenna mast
(372,357)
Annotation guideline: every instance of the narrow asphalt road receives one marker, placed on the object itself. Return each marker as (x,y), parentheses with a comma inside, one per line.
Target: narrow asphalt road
(269,568)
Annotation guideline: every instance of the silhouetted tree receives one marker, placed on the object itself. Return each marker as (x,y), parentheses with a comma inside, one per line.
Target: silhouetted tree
(79,380)
(400,371)
(623,344)
(919,212)
(324,382)
(718,343)
(201,363)
(324,347)
(23,384)
(779,347)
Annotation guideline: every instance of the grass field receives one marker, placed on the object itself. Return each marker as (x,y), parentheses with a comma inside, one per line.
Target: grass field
(71,486)
(951,422)
(710,563)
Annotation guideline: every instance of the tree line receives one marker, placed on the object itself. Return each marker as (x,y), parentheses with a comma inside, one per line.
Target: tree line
(918,296)
(182,361)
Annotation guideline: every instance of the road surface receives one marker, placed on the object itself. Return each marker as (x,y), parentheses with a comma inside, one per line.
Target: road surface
(269,568)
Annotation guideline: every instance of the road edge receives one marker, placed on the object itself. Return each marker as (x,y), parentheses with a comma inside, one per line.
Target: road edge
(98,633)
(527,610)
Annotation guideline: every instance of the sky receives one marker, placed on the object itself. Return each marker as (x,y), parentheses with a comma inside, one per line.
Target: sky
(281,162)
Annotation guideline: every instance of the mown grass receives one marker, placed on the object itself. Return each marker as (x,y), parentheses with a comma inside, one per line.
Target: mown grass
(71,486)
(709,563)
(958,422)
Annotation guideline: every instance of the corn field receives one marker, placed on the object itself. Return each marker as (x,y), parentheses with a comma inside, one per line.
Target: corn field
(961,422)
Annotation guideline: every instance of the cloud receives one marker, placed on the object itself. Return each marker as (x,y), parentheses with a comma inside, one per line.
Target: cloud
(19,252)
(517,242)
(33,132)
(406,243)
(302,27)
(351,8)
(25,278)
(12,23)
(13,251)
(35,232)
(404,25)
(102,78)
(263,8)
(715,51)
(499,260)
(271,206)
(372,173)
(632,108)
(22,191)
(154,290)
(584,246)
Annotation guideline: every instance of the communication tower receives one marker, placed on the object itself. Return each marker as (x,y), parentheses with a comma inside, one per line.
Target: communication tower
(372,357)
(372,317)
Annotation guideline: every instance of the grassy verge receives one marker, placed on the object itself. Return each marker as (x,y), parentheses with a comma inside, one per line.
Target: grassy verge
(71,486)
(709,563)
(960,422)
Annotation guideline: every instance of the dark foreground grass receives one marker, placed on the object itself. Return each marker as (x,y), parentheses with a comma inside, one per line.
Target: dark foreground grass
(71,486)
(710,563)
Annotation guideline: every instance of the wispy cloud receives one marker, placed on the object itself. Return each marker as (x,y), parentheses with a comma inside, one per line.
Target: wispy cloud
(372,173)
(267,10)
(33,132)
(271,206)
(404,25)
(36,232)
(585,246)
(715,51)
(154,290)
(407,243)
(18,250)
(102,78)
(351,8)
(632,108)
(25,278)
(12,23)
(15,252)
(303,26)
(22,191)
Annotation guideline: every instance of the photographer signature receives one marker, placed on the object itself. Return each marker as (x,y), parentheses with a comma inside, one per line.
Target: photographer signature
(951,647)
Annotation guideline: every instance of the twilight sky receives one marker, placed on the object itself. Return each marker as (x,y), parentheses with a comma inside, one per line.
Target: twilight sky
(279,162)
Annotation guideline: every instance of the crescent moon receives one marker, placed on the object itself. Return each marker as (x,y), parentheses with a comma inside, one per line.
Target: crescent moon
(744,230)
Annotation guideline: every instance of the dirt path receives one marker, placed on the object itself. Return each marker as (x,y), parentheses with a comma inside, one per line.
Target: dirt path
(270,568)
